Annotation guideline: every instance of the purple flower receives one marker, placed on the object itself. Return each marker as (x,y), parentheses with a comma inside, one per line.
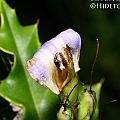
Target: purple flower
(56,62)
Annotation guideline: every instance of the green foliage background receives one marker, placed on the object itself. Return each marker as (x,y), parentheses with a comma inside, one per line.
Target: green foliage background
(104,24)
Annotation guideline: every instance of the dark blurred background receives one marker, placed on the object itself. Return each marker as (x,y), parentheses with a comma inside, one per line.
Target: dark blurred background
(98,23)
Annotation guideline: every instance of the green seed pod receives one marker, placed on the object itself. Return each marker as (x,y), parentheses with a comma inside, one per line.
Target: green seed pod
(87,104)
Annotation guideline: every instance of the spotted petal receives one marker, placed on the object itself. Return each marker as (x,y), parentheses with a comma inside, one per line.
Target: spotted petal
(56,62)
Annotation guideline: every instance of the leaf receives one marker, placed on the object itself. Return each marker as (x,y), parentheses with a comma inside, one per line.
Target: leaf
(19,88)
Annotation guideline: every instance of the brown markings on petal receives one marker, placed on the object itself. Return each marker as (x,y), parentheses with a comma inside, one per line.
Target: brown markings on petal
(56,61)
(30,63)
(64,61)
(67,54)
(69,47)
(63,58)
